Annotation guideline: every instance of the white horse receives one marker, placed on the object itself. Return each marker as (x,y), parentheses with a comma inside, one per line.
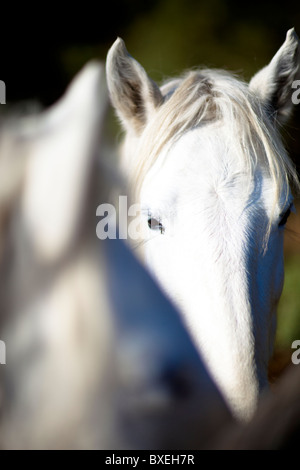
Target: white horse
(213,178)
(96,355)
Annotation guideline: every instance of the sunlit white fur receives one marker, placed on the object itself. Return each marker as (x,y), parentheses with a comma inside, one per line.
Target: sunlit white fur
(211,259)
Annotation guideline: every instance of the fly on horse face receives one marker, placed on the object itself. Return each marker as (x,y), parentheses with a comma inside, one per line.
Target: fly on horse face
(213,178)
(96,357)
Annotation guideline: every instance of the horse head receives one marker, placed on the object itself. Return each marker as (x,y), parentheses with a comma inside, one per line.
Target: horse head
(212,176)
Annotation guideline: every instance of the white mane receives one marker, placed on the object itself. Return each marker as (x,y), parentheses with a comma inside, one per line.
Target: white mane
(205,97)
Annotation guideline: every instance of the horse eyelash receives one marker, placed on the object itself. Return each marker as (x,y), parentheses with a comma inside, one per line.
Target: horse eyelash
(155,222)
(284,217)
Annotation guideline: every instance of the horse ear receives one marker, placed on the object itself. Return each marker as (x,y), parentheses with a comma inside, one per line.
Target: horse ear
(63,146)
(133,94)
(274,83)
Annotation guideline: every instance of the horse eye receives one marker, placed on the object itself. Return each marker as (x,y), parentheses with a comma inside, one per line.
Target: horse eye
(155,224)
(284,217)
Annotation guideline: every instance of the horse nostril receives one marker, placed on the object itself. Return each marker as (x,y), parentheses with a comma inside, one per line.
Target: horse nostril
(177,381)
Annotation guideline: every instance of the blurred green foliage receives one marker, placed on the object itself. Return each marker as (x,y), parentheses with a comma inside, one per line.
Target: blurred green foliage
(289,308)
(170,35)
(179,34)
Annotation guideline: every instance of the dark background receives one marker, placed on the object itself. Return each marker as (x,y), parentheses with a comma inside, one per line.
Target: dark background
(44,46)
(37,42)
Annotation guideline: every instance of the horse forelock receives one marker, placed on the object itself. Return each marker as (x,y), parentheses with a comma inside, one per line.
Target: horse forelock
(207,97)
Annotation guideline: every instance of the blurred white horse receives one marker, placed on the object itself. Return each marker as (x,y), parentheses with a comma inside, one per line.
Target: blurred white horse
(96,355)
(213,178)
